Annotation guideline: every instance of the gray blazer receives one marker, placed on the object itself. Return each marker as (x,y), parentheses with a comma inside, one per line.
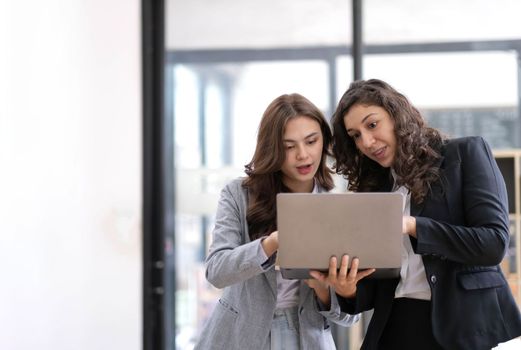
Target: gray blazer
(243,316)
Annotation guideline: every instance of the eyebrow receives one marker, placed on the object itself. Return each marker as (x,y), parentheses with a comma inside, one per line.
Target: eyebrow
(363,120)
(305,138)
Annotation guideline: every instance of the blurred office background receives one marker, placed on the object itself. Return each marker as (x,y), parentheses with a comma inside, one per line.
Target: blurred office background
(71,142)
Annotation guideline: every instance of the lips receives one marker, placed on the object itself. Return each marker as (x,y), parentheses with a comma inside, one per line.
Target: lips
(304,169)
(380,153)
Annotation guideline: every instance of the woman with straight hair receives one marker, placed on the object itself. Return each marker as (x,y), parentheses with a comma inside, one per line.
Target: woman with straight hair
(259,309)
(451,293)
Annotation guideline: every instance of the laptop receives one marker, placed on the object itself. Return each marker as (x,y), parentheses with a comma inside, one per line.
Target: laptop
(315,226)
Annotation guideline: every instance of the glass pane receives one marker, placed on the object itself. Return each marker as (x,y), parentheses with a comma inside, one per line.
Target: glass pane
(217,106)
(412,21)
(462,94)
(211,24)
(217,109)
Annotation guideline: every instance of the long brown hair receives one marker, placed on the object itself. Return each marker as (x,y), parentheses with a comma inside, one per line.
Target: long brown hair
(417,150)
(264,179)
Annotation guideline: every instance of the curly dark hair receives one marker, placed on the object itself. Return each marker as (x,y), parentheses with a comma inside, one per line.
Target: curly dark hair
(417,150)
(264,179)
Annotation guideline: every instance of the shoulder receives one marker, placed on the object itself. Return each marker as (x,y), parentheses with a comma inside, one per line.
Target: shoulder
(235,188)
(465,145)
(236,184)
(464,142)
(471,148)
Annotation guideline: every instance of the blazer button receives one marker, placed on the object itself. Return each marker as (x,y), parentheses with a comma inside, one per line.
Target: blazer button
(433,279)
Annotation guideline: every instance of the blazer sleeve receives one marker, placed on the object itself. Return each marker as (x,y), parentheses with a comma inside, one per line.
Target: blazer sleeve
(335,313)
(230,260)
(476,189)
(366,295)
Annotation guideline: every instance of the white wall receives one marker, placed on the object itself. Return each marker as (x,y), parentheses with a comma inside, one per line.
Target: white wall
(70,174)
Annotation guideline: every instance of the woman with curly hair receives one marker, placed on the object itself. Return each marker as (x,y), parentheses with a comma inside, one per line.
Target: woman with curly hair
(451,293)
(258,308)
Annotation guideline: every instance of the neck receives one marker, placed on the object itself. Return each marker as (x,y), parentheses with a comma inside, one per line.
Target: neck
(301,187)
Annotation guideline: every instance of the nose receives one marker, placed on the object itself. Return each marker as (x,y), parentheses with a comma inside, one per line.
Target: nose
(367,140)
(302,152)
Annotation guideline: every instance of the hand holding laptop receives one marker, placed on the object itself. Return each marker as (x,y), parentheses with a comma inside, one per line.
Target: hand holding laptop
(270,244)
(321,289)
(344,281)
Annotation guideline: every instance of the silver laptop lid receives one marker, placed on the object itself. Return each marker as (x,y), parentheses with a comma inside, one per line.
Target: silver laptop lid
(314,227)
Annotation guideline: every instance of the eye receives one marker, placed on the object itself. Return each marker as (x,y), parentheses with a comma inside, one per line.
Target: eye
(372,125)
(354,136)
(310,142)
(290,147)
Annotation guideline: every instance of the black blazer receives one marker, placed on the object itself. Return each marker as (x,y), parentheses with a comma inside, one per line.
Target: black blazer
(462,234)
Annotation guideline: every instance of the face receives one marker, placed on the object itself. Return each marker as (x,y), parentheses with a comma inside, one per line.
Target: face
(372,130)
(303,143)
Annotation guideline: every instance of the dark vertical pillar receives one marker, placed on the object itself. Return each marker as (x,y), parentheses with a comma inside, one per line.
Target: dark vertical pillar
(357,39)
(155,187)
(169,274)
(332,73)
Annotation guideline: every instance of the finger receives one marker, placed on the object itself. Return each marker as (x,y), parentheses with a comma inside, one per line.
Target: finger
(344,265)
(364,273)
(332,268)
(354,268)
(318,276)
(311,283)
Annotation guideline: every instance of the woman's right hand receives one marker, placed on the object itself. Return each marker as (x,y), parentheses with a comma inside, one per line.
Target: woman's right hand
(343,282)
(270,244)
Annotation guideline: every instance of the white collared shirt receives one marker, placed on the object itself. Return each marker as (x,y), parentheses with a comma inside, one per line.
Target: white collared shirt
(413,281)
